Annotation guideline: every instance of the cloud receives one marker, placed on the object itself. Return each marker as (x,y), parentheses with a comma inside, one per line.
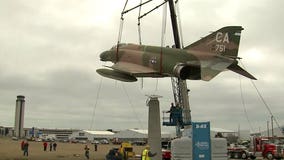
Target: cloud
(49,52)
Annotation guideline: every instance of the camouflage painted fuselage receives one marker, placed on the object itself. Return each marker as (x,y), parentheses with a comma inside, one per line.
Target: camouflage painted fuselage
(160,59)
(203,59)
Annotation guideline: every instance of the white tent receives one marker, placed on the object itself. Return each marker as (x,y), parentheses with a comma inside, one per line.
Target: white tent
(91,135)
(224,132)
(137,134)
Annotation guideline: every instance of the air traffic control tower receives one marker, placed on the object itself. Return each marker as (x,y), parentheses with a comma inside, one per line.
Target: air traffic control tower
(19,116)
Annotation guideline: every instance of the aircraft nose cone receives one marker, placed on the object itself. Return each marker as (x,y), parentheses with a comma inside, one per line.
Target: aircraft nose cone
(105,56)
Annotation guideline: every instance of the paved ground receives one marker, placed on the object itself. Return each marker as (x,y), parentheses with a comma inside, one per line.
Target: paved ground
(11,150)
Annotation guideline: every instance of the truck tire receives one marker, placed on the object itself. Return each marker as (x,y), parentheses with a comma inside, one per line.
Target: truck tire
(252,157)
(230,155)
(269,156)
(244,155)
(237,155)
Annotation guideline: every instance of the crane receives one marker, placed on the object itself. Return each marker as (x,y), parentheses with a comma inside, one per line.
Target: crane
(179,87)
(180,90)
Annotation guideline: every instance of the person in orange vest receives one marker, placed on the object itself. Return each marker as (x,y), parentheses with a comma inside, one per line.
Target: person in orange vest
(147,154)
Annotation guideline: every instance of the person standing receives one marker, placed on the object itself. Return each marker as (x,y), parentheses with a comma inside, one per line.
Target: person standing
(96,146)
(22,145)
(117,156)
(44,146)
(50,146)
(26,149)
(179,116)
(54,146)
(87,152)
(147,154)
(171,111)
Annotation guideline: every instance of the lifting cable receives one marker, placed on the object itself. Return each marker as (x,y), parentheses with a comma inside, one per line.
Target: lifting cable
(95,107)
(244,106)
(145,14)
(179,23)
(266,105)
(139,36)
(120,29)
(163,33)
(123,12)
(139,27)
(139,16)
(164,25)
(264,102)
(132,106)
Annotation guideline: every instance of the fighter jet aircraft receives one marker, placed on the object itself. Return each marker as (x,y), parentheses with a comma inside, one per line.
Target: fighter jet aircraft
(202,60)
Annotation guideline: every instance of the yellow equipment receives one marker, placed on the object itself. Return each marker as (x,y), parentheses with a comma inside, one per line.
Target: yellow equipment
(126,150)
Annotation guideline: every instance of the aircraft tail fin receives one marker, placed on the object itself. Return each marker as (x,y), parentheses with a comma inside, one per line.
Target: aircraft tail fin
(224,41)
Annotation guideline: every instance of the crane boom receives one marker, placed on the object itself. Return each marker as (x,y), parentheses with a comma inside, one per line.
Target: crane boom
(179,86)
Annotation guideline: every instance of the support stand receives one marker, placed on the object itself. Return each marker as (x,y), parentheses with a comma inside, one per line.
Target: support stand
(154,126)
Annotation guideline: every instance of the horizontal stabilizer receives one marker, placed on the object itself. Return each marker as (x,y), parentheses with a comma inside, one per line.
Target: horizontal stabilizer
(236,68)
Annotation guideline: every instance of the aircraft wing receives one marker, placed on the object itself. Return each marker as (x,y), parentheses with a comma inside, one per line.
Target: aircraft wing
(133,69)
(127,72)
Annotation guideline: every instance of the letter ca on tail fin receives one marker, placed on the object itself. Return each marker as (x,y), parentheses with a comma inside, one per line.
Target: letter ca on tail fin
(224,41)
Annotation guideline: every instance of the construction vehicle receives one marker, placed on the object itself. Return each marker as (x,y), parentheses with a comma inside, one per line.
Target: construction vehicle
(166,154)
(166,150)
(266,147)
(126,150)
(239,152)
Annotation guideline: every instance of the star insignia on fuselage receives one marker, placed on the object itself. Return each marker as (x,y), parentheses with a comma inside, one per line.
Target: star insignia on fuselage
(153,60)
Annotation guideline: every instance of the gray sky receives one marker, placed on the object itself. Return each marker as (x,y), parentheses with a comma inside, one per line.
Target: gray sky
(49,52)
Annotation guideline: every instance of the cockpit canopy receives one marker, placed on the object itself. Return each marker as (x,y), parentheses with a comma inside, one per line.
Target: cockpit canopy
(119,45)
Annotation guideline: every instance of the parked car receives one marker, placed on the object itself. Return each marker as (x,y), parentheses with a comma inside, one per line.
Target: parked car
(63,140)
(38,140)
(104,141)
(139,143)
(82,141)
(15,138)
(74,141)
(95,142)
